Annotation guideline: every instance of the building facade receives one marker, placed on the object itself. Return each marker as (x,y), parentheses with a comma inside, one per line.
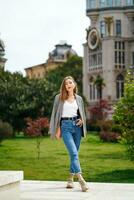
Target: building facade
(2,54)
(58,56)
(109,48)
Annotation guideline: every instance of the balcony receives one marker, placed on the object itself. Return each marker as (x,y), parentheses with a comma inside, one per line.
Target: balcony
(98,5)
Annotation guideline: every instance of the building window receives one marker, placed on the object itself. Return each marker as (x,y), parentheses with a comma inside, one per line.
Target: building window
(119,54)
(117,2)
(91,4)
(102,28)
(92,89)
(100,59)
(118,27)
(123,45)
(116,61)
(119,86)
(115,45)
(109,3)
(106,3)
(102,3)
(132,58)
(129,2)
(95,58)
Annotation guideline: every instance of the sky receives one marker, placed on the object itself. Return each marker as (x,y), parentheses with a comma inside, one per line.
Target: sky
(31,29)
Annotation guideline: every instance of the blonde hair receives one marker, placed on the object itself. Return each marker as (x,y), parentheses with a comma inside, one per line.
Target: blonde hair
(63,91)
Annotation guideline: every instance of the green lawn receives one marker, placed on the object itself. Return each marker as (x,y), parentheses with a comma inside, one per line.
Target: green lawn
(100,162)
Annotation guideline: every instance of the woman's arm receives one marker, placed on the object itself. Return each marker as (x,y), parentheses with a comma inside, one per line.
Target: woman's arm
(58,133)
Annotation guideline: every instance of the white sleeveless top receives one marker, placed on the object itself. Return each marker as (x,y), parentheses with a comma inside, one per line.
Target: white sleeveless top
(69,109)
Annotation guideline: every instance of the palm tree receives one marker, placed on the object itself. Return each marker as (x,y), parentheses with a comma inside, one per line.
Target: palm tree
(99,82)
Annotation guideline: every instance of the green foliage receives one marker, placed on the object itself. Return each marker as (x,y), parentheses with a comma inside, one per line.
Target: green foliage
(5,130)
(22,98)
(116,128)
(124,113)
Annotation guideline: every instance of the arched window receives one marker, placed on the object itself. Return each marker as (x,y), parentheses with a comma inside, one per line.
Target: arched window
(92,89)
(119,86)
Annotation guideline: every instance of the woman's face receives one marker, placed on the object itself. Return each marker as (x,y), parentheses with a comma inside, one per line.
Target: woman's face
(69,85)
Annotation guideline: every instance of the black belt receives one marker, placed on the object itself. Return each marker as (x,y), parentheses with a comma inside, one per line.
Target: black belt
(70,118)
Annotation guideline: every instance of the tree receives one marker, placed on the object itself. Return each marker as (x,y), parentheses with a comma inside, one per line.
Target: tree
(124,113)
(100,111)
(5,130)
(37,128)
(21,97)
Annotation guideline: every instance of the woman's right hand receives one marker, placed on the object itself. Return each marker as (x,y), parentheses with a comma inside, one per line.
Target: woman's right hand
(58,133)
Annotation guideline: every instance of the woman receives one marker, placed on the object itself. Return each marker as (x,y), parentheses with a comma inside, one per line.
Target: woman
(68,121)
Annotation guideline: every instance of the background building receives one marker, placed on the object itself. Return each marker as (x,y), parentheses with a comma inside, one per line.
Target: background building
(2,54)
(58,56)
(109,49)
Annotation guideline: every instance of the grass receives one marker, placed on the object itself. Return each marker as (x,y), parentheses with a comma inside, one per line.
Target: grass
(100,162)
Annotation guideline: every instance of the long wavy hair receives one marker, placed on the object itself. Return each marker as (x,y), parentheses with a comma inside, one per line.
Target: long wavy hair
(63,91)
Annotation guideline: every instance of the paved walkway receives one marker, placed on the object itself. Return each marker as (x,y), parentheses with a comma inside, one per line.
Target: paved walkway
(55,190)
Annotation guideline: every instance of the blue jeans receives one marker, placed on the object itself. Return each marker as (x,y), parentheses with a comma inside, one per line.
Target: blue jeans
(71,135)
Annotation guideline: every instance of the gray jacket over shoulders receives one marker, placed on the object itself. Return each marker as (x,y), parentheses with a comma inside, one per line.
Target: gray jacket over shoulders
(57,113)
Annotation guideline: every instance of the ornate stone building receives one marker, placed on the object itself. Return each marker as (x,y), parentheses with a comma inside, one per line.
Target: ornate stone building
(2,54)
(109,49)
(58,56)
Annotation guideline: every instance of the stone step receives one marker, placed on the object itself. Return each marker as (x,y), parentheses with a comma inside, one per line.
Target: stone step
(10,185)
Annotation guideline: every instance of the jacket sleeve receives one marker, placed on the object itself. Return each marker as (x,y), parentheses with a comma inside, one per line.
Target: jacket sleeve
(83,109)
(52,118)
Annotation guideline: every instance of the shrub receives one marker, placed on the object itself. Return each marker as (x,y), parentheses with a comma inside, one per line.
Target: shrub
(116,128)
(6,130)
(109,136)
(105,125)
(92,126)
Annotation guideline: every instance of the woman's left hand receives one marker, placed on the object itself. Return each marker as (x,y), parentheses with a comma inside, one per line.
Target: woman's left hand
(58,133)
(79,122)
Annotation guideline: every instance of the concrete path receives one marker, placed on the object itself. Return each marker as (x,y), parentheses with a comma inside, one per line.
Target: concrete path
(55,190)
